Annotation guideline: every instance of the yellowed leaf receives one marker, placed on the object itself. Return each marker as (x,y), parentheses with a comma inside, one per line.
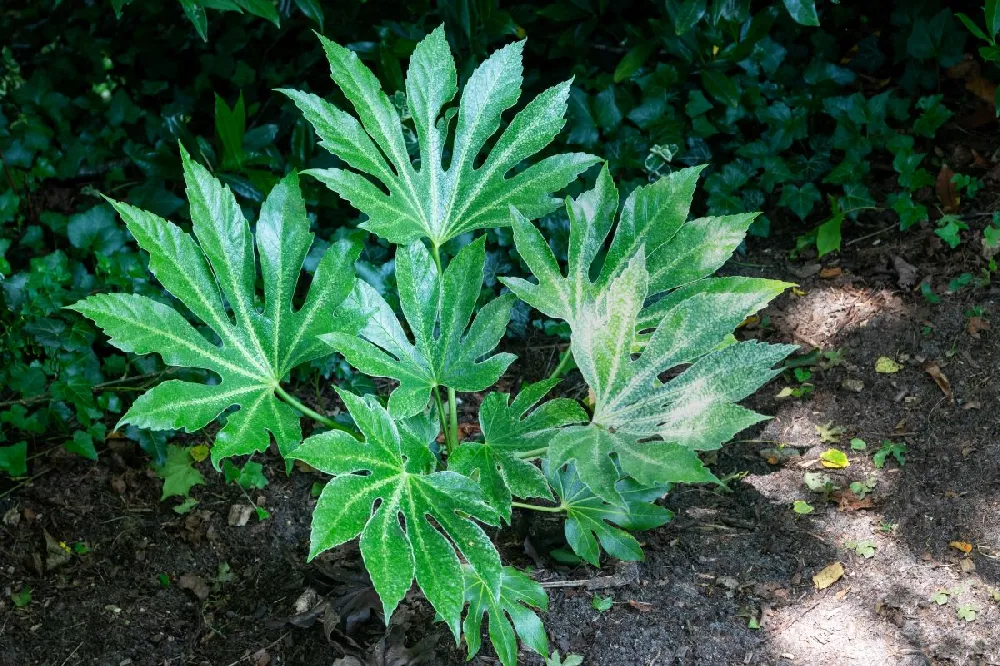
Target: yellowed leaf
(834,458)
(886,365)
(963,546)
(199,452)
(828,576)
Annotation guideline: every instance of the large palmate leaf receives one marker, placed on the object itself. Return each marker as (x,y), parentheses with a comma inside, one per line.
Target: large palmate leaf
(590,521)
(251,350)
(404,202)
(447,350)
(511,435)
(388,477)
(510,614)
(653,277)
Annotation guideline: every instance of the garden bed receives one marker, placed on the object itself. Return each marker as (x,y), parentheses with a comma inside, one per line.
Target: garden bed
(117,577)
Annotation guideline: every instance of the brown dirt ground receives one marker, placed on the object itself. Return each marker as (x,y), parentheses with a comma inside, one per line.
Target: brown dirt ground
(727,558)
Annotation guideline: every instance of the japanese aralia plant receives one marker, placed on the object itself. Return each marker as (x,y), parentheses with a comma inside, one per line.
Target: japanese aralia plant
(636,295)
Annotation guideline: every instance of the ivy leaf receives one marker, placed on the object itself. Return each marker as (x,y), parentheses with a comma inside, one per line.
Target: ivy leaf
(388,476)
(803,12)
(592,523)
(721,87)
(649,429)
(448,350)
(688,13)
(262,8)
(430,201)
(935,114)
(800,199)
(13,459)
(258,348)
(510,614)
(510,430)
(178,473)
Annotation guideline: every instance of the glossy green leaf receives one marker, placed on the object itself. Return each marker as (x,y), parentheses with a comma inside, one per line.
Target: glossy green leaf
(633,60)
(196,14)
(972,27)
(721,87)
(593,524)
(688,13)
(427,200)
(512,431)
(510,615)
(385,489)
(803,11)
(447,350)
(262,8)
(255,349)
(313,9)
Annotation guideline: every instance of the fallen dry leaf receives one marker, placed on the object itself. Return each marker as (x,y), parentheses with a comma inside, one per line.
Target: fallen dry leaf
(828,576)
(908,274)
(850,502)
(831,272)
(641,606)
(966,565)
(934,370)
(886,365)
(977,325)
(946,190)
(969,71)
(239,515)
(196,584)
(963,546)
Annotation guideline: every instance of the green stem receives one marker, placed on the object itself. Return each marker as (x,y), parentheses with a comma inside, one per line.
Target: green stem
(535,507)
(314,415)
(567,356)
(453,415)
(536,453)
(436,253)
(443,419)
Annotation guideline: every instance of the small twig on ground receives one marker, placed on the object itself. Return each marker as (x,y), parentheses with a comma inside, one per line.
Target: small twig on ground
(249,657)
(66,660)
(599,583)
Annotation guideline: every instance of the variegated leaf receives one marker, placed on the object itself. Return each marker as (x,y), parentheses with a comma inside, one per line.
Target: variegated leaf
(510,614)
(385,489)
(651,294)
(405,202)
(512,433)
(447,350)
(592,523)
(251,350)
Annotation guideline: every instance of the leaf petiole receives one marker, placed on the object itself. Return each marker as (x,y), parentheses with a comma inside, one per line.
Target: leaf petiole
(314,415)
(534,453)
(453,417)
(443,419)
(536,507)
